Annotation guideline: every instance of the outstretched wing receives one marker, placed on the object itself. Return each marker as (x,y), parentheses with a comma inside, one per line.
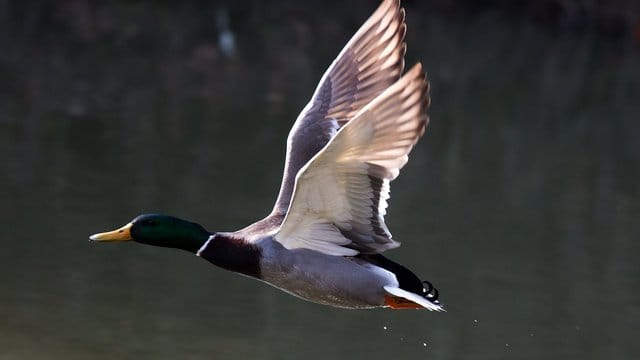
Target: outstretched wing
(340,196)
(370,62)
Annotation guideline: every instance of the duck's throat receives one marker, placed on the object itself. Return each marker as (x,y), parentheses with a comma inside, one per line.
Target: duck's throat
(232,254)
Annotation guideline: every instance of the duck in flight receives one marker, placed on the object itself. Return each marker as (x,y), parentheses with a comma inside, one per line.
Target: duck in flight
(324,239)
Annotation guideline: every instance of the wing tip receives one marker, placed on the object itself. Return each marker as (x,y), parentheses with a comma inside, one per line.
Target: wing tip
(415,70)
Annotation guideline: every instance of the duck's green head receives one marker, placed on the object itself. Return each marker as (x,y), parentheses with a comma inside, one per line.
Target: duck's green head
(159,230)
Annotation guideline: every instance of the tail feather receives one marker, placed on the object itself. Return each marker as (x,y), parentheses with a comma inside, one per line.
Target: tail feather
(411,300)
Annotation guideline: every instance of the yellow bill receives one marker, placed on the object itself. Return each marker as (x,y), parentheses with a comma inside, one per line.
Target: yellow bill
(122,234)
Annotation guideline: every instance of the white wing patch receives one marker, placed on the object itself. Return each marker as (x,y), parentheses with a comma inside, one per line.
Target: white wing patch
(333,128)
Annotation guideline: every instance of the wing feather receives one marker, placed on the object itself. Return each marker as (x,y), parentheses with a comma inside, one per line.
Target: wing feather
(340,196)
(370,62)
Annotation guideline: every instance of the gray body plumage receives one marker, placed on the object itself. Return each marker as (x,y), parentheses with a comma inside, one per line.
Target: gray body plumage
(347,282)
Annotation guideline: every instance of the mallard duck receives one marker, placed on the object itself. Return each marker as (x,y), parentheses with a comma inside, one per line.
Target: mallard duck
(323,241)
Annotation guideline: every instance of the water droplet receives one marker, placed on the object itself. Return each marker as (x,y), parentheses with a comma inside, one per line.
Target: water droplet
(475,321)
(384,327)
(424,344)
(507,345)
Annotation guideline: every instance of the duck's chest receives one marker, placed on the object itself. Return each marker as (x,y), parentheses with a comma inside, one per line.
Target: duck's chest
(326,279)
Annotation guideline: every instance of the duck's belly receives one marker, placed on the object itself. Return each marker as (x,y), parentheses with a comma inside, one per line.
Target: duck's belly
(331,280)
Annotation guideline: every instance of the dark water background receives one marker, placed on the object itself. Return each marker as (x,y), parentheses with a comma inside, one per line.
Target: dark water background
(521,203)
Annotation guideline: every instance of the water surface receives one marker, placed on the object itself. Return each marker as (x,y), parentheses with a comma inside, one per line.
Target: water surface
(521,203)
